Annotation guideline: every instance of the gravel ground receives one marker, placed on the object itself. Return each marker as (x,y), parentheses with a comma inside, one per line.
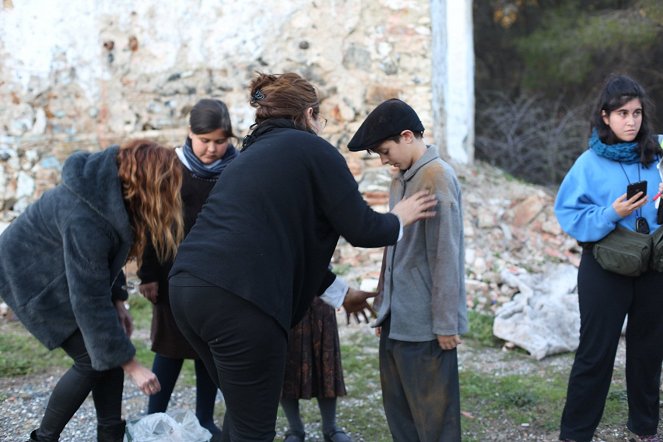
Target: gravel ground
(27,396)
(22,399)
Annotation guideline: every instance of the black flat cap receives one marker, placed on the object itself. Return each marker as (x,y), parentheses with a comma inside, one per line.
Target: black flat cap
(390,118)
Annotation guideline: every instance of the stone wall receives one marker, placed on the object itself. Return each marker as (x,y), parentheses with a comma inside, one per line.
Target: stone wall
(79,74)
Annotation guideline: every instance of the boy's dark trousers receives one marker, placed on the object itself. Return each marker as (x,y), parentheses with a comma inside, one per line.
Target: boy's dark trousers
(605,298)
(420,390)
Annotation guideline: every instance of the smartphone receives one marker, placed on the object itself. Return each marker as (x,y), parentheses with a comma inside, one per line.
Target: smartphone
(633,188)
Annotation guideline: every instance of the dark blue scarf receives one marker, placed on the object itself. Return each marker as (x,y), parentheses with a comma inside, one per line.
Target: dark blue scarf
(623,152)
(207,170)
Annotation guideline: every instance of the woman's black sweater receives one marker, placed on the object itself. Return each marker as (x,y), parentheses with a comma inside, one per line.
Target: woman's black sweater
(270,225)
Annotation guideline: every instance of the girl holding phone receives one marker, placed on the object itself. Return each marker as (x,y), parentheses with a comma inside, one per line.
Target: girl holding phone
(592,202)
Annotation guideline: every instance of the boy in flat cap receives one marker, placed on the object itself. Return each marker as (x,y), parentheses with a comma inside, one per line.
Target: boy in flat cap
(423,309)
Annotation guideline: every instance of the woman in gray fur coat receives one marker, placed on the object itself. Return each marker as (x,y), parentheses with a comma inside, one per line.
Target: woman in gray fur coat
(61,272)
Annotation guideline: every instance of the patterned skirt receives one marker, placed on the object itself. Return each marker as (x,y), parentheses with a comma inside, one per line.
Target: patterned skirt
(313,366)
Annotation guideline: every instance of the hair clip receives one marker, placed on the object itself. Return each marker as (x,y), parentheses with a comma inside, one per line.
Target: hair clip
(258,95)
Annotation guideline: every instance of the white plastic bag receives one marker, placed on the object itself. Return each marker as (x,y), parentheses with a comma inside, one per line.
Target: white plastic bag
(175,426)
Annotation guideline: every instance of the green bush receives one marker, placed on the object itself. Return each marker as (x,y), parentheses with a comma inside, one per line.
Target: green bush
(481,329)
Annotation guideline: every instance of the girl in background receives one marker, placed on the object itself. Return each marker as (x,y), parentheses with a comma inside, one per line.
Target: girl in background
(206,152)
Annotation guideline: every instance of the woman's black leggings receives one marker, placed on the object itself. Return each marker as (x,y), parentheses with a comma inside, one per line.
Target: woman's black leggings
(74,387)
(243,348)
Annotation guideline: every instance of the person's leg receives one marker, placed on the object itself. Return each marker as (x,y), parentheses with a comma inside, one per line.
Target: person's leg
(291,410)
(107,397)
(644,354)
(167,370)
(249,353)
(74,387)
(327,406)
(429,378)
(248,348)
(604,298)
(183,309)
(396,408)
(330,431)
(206,392)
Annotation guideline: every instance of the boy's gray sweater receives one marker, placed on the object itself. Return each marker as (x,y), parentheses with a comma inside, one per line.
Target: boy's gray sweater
(423,274)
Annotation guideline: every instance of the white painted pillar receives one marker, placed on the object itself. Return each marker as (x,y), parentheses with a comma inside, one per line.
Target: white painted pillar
(453,78)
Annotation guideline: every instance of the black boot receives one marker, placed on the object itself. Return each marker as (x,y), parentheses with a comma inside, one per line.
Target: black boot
(111,433)
(33,437)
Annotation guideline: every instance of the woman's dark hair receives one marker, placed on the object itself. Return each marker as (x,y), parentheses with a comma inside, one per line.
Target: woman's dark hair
(616,92)
(284,96)
(209,115)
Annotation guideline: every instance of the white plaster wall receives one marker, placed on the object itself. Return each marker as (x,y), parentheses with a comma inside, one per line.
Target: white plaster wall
(453,78)
(460,81)
(39,34)
(439,73)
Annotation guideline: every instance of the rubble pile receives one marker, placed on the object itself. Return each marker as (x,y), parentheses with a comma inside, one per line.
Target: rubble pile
(509,227)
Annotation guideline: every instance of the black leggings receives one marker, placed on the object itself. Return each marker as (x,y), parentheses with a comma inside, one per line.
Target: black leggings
(243,348)
(73,388)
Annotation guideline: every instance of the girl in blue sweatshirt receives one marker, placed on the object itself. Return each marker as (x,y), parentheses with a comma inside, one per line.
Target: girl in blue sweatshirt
(592,201)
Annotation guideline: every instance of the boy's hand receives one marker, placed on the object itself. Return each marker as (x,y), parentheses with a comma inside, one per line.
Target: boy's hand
(449,342)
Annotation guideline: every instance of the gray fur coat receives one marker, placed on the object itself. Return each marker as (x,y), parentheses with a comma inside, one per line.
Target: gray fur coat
(60,258)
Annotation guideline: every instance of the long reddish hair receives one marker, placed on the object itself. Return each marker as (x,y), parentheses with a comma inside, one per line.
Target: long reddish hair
(151,178)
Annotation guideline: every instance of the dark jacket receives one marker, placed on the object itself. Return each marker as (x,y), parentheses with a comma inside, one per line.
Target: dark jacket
(270,225)
(167,340)
(60,258)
